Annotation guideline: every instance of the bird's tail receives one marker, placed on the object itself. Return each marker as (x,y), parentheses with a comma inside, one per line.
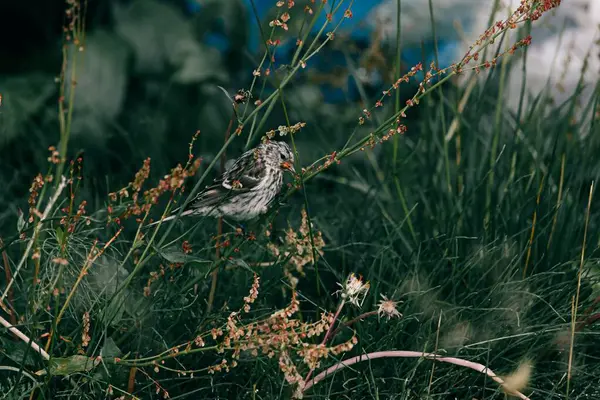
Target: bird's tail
(170,217)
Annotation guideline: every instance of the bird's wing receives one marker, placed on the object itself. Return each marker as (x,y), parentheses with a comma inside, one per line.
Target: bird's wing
(248,171)
(243,176)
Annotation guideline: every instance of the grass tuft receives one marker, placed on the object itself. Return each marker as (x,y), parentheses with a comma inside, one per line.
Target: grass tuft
(430,233)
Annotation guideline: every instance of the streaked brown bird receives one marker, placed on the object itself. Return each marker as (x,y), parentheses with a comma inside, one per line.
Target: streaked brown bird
(246,189)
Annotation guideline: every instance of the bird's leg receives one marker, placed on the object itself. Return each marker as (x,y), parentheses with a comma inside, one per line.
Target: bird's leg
(230,225)
(239,229)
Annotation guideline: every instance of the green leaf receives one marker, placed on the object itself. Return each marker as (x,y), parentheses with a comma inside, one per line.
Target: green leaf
(238,262)
(137,306)
(106,276)
(60,235)
(110,349)
(112,314)
(70,365)
(16,351)
(21,222)
(174,254)
(124,302)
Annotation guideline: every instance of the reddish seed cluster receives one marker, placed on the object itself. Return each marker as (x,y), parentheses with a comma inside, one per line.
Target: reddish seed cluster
(241,97)
(74,26)
(199,342)
(253,295)
(297,248)
(400,129)
(54,156)
(405,78)
(60,261)
(290,372)
(158,388)
(281,21)
(521,43)
(221,245)
(539,8)
(154,276)
(170,183)
(191,147)
(72,221)
(528,10)
(366,114)
(85,334)
(140,178)
(290,3)
(370,142)
(223,366)
(278,335)
(36,254)
(313,353)
(36,185)
(136,185)
(331,159)
(283,131)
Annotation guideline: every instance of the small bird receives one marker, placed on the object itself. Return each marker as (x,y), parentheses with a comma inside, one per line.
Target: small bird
(245,189)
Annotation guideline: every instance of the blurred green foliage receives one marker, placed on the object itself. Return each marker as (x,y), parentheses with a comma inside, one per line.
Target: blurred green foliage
(479,232)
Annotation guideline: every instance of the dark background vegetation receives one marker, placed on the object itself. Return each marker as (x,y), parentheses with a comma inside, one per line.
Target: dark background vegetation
(445,227)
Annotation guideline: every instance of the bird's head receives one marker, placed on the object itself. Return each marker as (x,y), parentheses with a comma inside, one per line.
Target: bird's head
(280,155)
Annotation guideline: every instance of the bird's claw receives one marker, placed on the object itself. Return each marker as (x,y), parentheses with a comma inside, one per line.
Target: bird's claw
(240,230)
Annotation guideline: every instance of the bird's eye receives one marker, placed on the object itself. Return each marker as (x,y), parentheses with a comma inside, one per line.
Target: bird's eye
(282,156)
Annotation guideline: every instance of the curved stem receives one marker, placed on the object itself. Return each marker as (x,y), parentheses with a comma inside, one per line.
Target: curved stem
(327,335)
(411,354)
(347,324)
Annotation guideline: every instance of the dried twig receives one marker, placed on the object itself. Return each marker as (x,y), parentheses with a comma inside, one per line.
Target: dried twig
(24,338)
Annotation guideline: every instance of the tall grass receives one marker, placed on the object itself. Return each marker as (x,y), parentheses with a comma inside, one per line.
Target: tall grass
(481,232)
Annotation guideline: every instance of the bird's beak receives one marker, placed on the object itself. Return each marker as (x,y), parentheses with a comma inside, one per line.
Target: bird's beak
(288,166)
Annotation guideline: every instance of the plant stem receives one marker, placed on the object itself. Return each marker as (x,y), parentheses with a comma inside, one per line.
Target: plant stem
(409,354)
(215,273)
(327,335)
(148,361)
(347,324)
(93,256)
(36,231)
(24,338)
(576,302)
(131,380)
(7,272)
(494,145)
